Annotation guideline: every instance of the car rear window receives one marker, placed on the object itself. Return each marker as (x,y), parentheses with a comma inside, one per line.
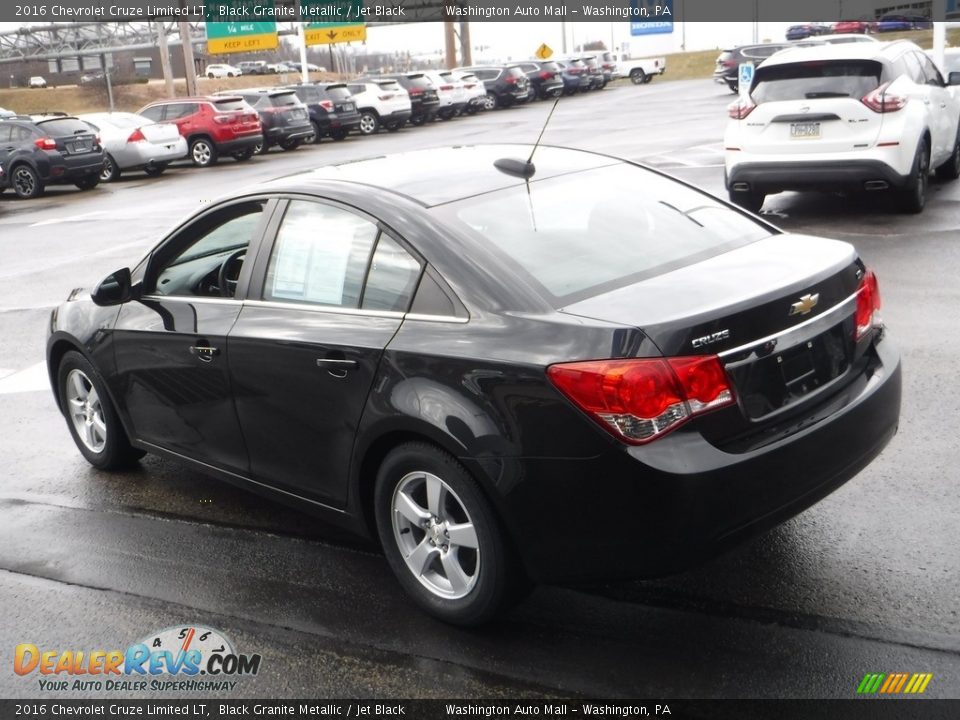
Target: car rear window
(309,93)
(550,67)
(420,81)
(228,104)
(584,233)
(285,99)
(338,92)
(390,85)
(63,127)
(816,79)
(516,72)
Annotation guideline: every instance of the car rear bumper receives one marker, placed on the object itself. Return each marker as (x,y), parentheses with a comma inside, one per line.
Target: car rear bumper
(661,508)
(770,177)
(141,154)
(71,168)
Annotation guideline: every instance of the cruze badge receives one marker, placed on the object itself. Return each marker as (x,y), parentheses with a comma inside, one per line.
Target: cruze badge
(710,339)
(805,304)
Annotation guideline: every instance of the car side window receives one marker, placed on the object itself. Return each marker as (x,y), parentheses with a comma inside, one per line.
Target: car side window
(930,70)
(321,256)
(155,113)
(21,134)
(210,250)
(914,70)
(392,278)
(5,131)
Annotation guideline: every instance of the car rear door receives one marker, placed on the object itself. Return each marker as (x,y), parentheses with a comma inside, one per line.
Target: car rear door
(172,380)
(304,352)
(811,107)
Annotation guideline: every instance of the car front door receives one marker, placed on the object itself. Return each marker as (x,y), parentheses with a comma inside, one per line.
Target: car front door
(172,380)
(943,111)
(303,355)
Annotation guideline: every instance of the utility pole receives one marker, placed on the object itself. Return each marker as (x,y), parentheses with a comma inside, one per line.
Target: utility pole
(466,49)
(451,44)
(186,44)
(302,46)
(563,33)
(164,56)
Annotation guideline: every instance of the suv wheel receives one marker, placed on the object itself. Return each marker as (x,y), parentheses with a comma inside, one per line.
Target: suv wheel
(490,101)
(25,182)
(749,200)
(88,182)
(203,153)
(913,198)
(110,171)
(369,122)
(441,536)
(338,135)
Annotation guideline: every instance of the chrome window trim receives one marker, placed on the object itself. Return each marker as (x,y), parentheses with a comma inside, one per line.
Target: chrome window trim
(791,337)
(193,299)
(335,309)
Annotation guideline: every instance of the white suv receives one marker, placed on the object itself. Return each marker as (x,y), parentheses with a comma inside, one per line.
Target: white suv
(221,70)
(380,102)
(866,116)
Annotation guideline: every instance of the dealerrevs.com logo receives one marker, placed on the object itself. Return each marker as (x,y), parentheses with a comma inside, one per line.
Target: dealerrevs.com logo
(894,683)
(191,658)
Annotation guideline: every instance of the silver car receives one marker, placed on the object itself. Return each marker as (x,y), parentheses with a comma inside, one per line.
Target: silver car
(134,142)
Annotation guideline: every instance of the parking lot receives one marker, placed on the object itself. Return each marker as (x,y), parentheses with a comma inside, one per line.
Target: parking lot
(865,581)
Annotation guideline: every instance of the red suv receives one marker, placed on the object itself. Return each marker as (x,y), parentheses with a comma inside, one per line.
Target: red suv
(213,126)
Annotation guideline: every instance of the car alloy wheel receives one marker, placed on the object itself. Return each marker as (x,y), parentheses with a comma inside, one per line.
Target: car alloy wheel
(110,171)
(86,412)
(437,539)
(368,123)
(202,153)
(25,182)
(489,101)
(914,197)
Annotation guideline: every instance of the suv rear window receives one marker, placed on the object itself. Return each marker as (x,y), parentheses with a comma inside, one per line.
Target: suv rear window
(584,233)
(309,93)
(285,99)
(420,81)
(816,79)
(390,85)
(550,66)
(228,104)
(516,72)
(63,127)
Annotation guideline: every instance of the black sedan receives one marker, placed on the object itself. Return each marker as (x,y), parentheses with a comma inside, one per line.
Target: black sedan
(564,370)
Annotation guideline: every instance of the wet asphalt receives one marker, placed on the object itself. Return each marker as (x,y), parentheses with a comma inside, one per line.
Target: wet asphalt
(868,580)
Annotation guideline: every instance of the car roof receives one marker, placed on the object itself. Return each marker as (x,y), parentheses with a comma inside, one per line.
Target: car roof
(841,51)
(196,98)
(441,175)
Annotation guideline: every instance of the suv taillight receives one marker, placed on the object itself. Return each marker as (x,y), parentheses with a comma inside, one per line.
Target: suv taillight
(326,105)
(510,80)
(46,143)
(136,136)
(739,110)
(867,315)
(639,400)
(223,119)
(881,101)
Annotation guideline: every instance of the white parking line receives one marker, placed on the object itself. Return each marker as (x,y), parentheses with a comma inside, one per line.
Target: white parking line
(31,379)
(72,218)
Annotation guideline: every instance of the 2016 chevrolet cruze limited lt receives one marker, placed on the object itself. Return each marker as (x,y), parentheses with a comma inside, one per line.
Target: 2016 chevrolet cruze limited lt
(570,369)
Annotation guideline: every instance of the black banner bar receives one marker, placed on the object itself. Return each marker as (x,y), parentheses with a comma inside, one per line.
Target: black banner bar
(854,709)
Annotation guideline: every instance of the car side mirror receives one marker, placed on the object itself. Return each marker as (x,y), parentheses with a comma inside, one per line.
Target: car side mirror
(953,78)
(115,289)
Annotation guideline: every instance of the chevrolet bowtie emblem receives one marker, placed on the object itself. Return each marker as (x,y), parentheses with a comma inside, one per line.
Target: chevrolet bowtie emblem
(805,304)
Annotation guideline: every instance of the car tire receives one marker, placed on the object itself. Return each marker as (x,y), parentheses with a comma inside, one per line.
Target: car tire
(91,418)
(155,170)
(950,170)
(25,182)
(394,126)
(88,182)
(211,76)
(913,197)
(338,135)
(647,79)
(417,120)
(464,577)
(315,137)
(490,102)
(288,145)
(260,148)
(243,155)
(369,122)
(749,200)
(203,153)
(110,171)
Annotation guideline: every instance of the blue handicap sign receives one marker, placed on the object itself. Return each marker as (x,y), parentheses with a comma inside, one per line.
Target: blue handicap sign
(746,74)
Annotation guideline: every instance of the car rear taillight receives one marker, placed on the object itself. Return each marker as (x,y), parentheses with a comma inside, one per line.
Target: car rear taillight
(386,97)
(222,119)
(415,91)
(639,400)
(545,75)
(446,87)
(46,143)
(728,63)
(867,316)
(326,105)
(136,136)
(510,80)
(881,101)
(740,109)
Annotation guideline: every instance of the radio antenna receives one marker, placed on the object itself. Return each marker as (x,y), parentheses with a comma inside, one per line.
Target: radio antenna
(544,128)
(520,168)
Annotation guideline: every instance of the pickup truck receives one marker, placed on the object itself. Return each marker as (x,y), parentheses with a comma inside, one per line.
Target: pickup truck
(641,70)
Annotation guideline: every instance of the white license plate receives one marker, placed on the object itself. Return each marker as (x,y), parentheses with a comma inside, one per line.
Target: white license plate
(805,130)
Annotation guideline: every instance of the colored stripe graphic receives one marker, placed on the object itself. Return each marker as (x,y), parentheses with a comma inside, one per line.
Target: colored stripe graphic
(894,683)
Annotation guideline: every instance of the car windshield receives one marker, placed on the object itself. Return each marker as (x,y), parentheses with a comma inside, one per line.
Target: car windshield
(584,233)
(816,79)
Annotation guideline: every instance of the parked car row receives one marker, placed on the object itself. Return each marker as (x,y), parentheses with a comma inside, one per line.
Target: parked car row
(36,151)
(887,23)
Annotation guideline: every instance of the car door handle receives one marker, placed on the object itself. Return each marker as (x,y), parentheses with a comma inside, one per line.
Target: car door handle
(205,353)
(337,367)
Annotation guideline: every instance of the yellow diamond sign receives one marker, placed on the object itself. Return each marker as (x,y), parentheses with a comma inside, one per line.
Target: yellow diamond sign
(544,51)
